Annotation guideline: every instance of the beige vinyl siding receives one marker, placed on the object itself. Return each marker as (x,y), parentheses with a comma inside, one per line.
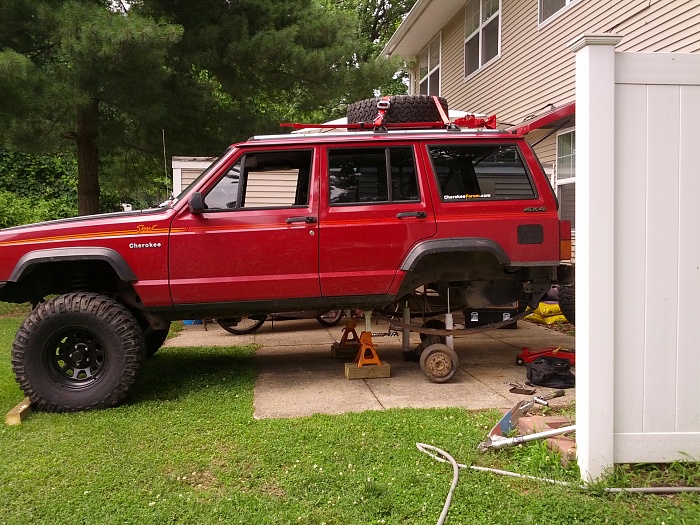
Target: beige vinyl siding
(188,176)
(271,188)
(547,149)
(536,68)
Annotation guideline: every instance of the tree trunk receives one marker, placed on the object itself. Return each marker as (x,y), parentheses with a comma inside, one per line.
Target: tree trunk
(88,167)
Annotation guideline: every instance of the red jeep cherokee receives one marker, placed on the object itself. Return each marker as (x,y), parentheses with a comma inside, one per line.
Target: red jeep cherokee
(279,223)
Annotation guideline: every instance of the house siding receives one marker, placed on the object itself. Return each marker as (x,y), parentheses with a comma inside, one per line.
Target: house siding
(535,67)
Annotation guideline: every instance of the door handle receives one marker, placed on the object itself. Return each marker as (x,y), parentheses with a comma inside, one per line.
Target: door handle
(307,220)
(404,214)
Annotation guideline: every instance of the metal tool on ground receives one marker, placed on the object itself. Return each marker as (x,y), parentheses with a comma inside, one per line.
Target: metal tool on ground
(517,388)
(498,437)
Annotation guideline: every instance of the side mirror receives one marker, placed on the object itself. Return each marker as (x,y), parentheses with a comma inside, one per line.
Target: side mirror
(196,203)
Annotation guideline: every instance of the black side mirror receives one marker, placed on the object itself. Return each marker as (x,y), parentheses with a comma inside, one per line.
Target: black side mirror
(196,203)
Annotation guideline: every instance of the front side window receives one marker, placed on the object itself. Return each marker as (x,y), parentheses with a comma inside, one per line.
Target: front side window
(482,33)
(565,182)
(549,8)
(372,175)
(270,179)
(429,68)
(480,172)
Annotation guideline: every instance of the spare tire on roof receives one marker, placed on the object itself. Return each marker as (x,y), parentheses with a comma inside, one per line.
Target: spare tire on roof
(402,108)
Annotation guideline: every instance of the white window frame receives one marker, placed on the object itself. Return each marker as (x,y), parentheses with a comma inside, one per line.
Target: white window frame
(479,33)
(557,181)
(432,68)
(543,22)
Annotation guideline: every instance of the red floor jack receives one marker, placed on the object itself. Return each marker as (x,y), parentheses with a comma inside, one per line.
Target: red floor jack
(528,356)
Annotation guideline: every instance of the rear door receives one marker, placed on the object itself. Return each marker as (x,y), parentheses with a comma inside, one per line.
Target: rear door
(495,190)
(257,237)
(375,206)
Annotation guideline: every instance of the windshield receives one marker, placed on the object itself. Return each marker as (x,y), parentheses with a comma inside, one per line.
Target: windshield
(212,167)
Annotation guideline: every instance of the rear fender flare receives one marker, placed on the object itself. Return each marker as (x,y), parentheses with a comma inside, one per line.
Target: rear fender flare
(37,257)
(471,244)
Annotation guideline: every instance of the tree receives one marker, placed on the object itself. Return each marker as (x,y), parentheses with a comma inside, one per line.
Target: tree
(376,21)
(113,78)
(275,59)
(80,72)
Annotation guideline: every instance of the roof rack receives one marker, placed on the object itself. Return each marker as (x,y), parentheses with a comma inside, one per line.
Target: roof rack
(378,125)
(366,132)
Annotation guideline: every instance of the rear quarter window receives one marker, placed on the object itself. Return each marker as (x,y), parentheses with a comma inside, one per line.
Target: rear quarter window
(480,172)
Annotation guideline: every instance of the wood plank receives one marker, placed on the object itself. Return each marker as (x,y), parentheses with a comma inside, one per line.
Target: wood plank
(19,413)
(352,371)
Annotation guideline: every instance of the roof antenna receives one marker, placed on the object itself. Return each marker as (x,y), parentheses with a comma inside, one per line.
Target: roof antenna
(165,169)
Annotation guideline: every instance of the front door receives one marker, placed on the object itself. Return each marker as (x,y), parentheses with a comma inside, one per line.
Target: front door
(256,239)
(376,206)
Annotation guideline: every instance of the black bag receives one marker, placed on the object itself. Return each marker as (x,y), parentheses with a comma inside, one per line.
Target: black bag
(552,372)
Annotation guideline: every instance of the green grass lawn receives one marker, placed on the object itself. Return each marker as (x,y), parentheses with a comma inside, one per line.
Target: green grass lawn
(185,449)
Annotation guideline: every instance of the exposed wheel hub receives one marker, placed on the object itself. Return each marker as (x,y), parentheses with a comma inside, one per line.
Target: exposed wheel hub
(439,365)
(76,358)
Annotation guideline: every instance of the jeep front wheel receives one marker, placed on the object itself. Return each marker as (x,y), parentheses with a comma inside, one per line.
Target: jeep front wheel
(78,351)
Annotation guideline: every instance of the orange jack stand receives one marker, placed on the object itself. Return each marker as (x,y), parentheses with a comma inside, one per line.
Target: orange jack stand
(349,342)
(367,356)
(348,331)
(366,345)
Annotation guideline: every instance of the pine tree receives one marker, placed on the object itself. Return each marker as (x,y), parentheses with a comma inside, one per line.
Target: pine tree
(79,72)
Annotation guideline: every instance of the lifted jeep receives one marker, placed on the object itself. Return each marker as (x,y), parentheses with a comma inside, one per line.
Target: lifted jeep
(287,222)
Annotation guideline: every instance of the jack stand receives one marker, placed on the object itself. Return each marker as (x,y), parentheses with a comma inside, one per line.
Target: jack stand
(449,323)
(358,370)
(368,320)
(349,342)
(366,345)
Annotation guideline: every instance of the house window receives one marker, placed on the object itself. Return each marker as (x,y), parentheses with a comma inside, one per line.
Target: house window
(482,33)
(429,68)
(549,7)
(566,176)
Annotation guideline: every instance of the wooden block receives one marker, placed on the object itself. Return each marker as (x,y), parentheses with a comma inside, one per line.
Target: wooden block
(19,413)
(344,352)
(352,371)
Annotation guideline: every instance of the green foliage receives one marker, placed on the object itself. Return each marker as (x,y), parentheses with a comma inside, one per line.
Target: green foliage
(96,77)
(36,188)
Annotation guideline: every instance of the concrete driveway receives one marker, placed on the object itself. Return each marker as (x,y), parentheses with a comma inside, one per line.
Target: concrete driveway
(297,375)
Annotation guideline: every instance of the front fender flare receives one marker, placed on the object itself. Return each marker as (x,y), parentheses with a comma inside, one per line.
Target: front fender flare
(52,255)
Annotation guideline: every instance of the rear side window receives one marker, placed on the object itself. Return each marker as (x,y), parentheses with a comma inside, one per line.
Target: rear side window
(478,172)
(372,175)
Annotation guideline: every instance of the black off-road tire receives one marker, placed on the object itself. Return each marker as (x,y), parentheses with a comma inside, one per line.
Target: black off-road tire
(154,339)
(567,302)
(402,109)
(436,324)
(78,351)
(244,326)
(330,318)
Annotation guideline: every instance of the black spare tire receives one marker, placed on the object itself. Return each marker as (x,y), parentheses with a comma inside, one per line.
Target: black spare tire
(402,109)
(78,351)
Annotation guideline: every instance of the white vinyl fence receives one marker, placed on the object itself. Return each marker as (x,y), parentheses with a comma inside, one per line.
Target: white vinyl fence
(638,255)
